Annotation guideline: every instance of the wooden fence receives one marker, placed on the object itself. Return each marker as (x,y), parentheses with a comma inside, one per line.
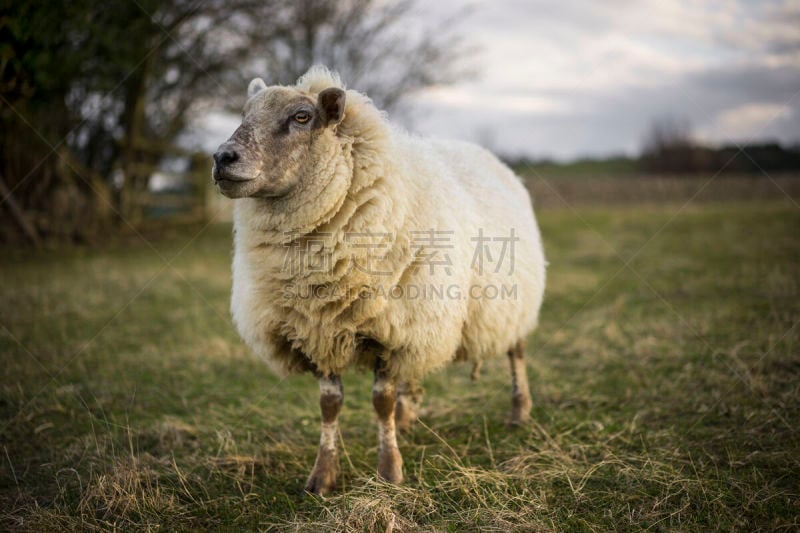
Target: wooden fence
(168,184)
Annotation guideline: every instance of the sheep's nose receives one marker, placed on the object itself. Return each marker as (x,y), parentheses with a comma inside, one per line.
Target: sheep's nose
(225,156)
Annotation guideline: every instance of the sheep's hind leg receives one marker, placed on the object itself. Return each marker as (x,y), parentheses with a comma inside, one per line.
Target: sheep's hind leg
(326,468)
(390,462)
(409,398)
(520,395)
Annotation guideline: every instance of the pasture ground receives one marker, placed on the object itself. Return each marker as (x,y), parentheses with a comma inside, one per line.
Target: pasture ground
(665,377)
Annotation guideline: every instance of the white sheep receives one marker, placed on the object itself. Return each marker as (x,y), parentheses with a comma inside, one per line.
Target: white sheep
(357,243)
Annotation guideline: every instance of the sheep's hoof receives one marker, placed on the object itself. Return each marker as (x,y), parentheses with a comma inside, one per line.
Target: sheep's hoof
(320,484)
(323,478)
(520,411)
(390,465)
(516,420)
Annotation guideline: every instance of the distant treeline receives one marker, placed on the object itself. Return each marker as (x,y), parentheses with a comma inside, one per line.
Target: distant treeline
(681,159)
(752,158)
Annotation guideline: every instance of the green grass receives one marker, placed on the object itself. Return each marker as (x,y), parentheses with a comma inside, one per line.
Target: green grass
(666,393)
(582,168)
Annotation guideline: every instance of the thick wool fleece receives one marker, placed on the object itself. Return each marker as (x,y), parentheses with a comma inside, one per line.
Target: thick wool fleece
(313,291)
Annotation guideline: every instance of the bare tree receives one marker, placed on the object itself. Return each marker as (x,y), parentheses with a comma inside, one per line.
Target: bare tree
(668,147)
(385,49)
(667,133)
(91,87)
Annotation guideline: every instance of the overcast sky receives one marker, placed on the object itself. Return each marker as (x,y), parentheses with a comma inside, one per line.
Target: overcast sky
(567,79)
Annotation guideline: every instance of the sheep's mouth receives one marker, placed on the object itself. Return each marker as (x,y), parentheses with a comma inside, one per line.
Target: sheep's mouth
(231,185)
(228,178)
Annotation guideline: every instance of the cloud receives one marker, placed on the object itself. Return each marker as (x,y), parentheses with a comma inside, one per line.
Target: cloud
(466,97)
(568,79)
(748,121)
(572,78)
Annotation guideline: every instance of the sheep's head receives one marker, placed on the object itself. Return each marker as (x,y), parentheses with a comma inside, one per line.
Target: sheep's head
(275,146)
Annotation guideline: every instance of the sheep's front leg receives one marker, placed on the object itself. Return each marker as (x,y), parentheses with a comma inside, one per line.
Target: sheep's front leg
(384,394)
(520,395)
(326,468)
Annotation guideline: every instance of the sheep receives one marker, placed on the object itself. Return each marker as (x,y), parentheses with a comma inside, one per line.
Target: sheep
(358,244)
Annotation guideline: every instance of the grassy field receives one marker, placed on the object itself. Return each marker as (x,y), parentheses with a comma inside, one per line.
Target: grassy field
(552,190)
(665,378)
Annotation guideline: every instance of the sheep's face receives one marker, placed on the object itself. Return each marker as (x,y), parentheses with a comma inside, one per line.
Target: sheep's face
(275,145)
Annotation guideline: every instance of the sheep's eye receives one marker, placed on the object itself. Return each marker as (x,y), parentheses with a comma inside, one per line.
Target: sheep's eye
(302,117)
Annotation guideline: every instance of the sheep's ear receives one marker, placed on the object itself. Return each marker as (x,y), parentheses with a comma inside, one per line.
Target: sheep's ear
(255,87)
(330,105)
